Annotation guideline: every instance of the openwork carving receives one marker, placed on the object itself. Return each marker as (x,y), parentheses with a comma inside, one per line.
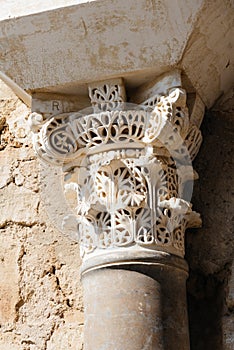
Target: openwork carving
(107,95)
(109,127)
(132,201)
(193,141)
(130,166)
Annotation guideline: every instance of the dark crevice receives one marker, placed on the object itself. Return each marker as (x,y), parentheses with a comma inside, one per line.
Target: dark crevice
(205,309)
(209,250)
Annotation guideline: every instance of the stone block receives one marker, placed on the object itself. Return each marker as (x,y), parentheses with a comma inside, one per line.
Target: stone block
(9,288)
(18,204)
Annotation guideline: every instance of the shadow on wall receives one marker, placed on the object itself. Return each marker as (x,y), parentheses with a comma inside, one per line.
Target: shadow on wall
(210,250)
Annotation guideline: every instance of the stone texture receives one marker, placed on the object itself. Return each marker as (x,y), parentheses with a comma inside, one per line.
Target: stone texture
(135,307)
(9,272)
(123,36)
(228,325)
(40,291)
(5,169)
(14,200)
(23,7)
(210,249)
(133,39)
(230,289)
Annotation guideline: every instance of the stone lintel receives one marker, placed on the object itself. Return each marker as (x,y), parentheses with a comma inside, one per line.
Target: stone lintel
(60,50)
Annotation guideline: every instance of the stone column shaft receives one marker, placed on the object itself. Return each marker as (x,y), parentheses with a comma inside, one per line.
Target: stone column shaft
(135,307)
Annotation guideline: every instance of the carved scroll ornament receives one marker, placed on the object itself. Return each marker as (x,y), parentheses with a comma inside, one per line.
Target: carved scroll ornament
(130,168)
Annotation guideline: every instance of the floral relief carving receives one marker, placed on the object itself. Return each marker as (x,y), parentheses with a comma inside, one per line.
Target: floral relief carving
(104,231)
(131,166)
(109,127)
(107,95)
(127,203)
(144,227)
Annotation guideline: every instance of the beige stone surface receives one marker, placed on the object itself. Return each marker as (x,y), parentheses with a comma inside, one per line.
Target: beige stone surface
(62,48)
(9,272)
(10,341)
(40,290)
(18,204)
(16,8)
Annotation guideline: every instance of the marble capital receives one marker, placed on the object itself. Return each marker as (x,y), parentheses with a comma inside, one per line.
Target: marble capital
(128,168)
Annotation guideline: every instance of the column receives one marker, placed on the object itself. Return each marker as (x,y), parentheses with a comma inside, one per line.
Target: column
(129,169)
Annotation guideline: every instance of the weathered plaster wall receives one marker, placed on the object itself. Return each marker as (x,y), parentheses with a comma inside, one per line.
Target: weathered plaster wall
(40,291)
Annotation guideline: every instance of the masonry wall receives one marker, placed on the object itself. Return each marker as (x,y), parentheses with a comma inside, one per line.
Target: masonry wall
(40,290)
(210,250)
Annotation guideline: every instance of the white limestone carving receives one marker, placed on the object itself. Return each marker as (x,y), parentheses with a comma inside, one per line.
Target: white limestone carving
(107,94)
(130,168)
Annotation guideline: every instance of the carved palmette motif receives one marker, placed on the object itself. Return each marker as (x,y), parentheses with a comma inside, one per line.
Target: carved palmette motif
(131,202)
(109,127)
(106,96)
(131,167)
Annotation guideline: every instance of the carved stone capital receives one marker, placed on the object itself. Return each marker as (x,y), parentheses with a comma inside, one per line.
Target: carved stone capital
(128,166)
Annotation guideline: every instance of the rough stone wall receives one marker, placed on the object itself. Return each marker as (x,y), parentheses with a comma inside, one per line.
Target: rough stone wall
(228,314)
(210,250)
(40,290)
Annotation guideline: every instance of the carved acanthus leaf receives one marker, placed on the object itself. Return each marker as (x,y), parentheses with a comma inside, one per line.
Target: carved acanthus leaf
(130,168)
